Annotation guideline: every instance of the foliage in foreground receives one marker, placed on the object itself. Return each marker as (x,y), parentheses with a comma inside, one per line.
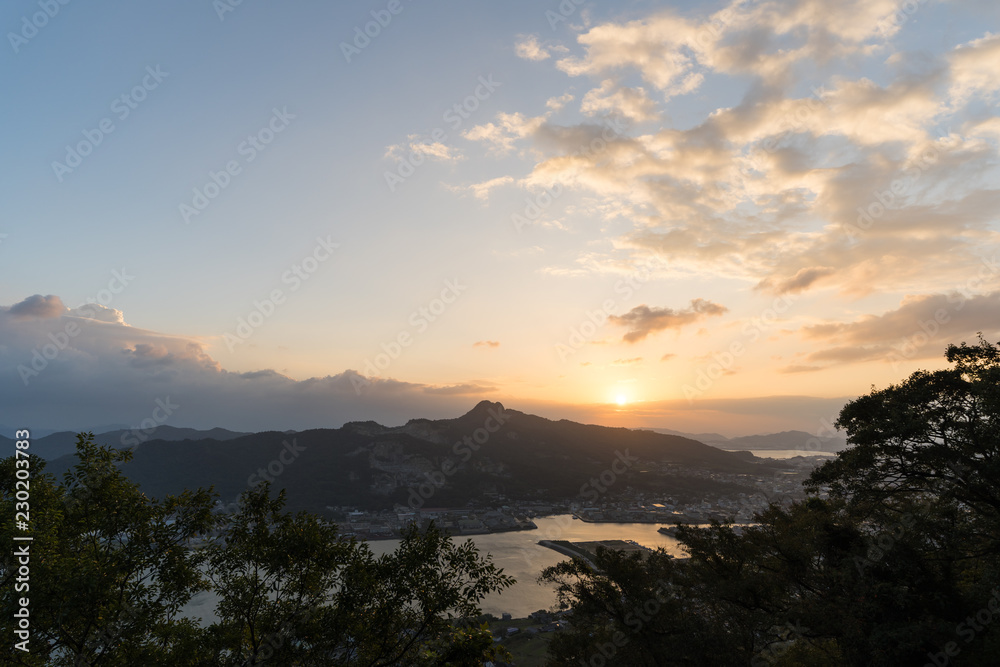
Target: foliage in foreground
(899,565)
(110,570)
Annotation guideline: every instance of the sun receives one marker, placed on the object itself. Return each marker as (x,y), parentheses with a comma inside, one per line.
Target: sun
(621,399)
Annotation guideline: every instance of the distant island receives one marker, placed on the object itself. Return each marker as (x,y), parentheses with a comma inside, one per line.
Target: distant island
(786,440)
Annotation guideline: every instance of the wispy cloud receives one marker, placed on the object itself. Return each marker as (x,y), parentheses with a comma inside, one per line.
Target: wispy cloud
(643,320)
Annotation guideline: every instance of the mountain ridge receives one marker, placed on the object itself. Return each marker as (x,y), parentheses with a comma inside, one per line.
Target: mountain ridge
(487,451)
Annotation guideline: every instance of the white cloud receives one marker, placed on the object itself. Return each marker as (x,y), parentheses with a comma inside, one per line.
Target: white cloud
(482,190)
(502,134)
(974,69)
(773,190)
(557,103)
(415,145)
(529,48)
(610,97)
(83,371)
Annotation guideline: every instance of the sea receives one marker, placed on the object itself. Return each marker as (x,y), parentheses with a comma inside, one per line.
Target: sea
(519,555)
(784,453)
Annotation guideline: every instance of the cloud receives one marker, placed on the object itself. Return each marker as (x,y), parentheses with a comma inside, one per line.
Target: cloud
(651,46)
(557,103)
(775,190)
(920,328)
(731,417)
(486,343)
(627,362)
(38,306)
(798,368)
(643,320)
(529,48)
(84,367)
(631,103)
(419,147)
(96,311)
(460,389)
(974,69)
(766,39)
(502,134)
(482,190)
(668,356)
(803,279)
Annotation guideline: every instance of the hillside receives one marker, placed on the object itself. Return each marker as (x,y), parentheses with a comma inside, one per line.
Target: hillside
(62,443)
(367,464)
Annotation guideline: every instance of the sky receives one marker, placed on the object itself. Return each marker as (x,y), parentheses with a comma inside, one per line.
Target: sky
(728,217)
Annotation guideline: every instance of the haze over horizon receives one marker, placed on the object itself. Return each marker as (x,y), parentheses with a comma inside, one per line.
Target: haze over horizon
(726,217)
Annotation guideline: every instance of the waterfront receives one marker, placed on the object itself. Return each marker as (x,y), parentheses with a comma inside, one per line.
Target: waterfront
(520,555)
(783,453)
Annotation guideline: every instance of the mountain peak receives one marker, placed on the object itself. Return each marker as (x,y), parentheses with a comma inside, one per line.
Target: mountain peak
(484,407)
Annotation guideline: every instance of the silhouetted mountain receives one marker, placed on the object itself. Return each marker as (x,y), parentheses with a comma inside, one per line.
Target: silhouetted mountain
(714,439)
(7,432)
(64,442)
(488,450)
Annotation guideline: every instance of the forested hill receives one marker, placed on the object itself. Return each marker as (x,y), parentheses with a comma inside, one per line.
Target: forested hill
(490,449)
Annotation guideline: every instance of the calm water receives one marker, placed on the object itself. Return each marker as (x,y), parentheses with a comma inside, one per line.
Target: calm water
(520,556)
(783,453)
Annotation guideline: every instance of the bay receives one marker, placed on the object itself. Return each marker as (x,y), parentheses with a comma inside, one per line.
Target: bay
(519,555)
(783,453)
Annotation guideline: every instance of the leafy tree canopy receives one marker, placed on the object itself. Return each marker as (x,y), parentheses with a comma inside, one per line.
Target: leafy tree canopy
(110,570)
(899,563)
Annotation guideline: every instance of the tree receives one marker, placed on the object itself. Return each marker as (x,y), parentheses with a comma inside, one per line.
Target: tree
(111,568)
(293,592)
(931,440)
(898,566)
(107,564)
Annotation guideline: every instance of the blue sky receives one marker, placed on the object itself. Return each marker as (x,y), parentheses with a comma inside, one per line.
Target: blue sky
(739,142)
